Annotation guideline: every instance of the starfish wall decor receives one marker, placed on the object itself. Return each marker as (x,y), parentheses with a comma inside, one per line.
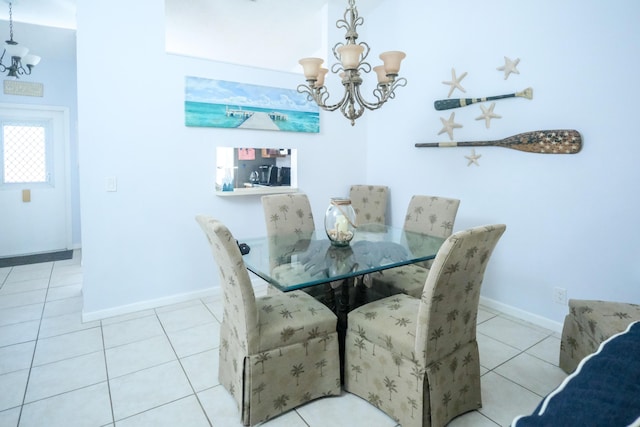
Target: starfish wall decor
(449,125)
(473,158)
(455,82)
(509,67)
(488,114)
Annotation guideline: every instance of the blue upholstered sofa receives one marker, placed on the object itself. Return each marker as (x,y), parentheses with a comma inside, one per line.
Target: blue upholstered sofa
(603,391)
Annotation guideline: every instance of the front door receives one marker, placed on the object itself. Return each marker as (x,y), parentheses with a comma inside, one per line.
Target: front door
(34,189)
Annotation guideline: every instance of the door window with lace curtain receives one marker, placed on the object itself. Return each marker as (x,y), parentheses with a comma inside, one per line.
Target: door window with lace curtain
(26,153)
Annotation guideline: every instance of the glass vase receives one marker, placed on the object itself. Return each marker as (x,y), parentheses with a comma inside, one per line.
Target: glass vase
(339,222)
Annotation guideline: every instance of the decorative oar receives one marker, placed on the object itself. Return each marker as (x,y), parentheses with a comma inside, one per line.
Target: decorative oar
(560,141)
(447,104)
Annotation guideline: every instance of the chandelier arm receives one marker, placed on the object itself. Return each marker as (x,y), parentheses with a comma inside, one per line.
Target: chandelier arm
(370,105)
(320,96)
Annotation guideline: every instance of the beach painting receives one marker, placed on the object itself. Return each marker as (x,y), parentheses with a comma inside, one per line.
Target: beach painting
(224,104)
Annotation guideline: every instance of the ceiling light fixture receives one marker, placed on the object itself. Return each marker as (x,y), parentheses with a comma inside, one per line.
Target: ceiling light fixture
(351,58)
(17,55)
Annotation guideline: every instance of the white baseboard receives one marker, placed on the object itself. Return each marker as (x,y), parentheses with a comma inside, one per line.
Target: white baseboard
(148,304)
(259,287)
(522,315)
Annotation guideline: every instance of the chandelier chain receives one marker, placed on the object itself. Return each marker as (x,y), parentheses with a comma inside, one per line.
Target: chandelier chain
(10,22)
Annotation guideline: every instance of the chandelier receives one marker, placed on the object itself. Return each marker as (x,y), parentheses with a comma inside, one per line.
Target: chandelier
(18,56)
(351,58)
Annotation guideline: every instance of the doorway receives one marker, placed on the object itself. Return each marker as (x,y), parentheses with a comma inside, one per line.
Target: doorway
(35,207)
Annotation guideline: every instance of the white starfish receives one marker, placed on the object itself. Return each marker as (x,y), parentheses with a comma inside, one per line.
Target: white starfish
(455,82)
(509,67)
(473,158)
(488,114)
(449,125)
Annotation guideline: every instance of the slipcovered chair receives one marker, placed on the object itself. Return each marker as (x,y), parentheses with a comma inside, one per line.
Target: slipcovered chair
(288,213)
(370,203)
(276,352)
(588,324)
(417,359)
(426,215)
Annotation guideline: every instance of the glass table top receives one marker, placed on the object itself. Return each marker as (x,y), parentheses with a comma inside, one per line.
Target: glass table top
(297,261)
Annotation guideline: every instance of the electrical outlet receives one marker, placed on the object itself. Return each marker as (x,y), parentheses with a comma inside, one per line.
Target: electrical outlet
(560,296)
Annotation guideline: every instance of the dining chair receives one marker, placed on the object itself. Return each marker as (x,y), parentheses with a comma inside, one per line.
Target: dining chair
(276,352)
(370,203)
(417,359)
(287,213)
(430,215)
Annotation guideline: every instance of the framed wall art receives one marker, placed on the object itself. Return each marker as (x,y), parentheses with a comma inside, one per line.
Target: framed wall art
(219,103)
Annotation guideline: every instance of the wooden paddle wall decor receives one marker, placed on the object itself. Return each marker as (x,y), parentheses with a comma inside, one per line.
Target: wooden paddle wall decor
(559,141)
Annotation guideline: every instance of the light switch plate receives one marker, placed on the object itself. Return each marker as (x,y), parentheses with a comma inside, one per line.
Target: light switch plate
(111,184)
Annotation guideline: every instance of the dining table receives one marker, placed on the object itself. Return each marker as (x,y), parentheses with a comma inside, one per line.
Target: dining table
(336,274)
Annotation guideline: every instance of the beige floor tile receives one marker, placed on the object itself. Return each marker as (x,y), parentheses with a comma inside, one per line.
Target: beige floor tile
(129,358)
(547,350)
(19,332)
(187,317)
(147,389)
(183,412)
(347,410)
(202,369)
(502,400)
(10,417)
(16,357)
(221,407)
(532,373)
(493,352)
(52,326)
(89,406)
(12,386)
(66,375)
(24,286)
(515,334)
(19,299)
(128,316)
(195,340)
(130,331)
(64,292)
(10,316)
(69,345)
(58,280)
(63,306)
(29,272)
(472,419)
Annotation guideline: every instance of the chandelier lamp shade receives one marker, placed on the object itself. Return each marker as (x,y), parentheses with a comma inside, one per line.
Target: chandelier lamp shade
(15,56)
(350,67)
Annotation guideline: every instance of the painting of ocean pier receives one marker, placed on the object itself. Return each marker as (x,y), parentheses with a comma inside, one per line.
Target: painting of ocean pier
(219,103)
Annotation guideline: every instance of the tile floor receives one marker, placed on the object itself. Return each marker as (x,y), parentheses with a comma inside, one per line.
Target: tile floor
(159,367)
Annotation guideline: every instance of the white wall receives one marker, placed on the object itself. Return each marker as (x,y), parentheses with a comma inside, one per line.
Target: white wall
(141,244)
(572,219)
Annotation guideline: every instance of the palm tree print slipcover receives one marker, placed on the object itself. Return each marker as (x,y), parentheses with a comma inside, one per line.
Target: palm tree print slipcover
(417,359)
(276,352)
